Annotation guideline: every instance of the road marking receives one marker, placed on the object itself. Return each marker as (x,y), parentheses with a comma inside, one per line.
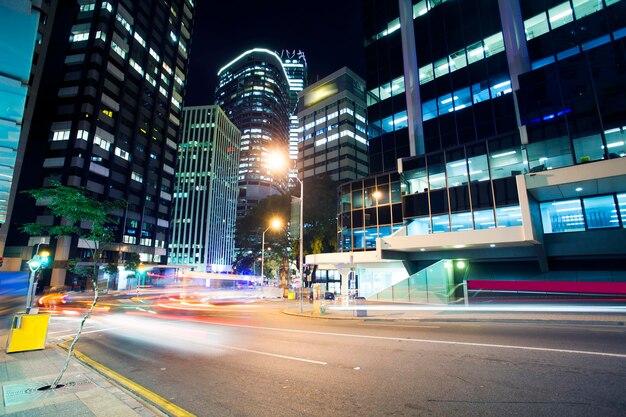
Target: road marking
(440,342)
(90,331)
(151,397)
(272,354)
(404,326)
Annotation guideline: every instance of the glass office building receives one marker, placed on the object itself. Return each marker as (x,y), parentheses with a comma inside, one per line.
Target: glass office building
(332,126)
(498,133)
(296,68)
(253,90)
(105,117)
(205,194)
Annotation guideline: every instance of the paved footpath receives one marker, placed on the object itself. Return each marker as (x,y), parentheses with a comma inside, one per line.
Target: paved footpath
(85,391)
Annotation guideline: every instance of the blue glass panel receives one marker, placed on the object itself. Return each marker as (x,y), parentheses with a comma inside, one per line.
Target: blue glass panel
(419,226)
(461,221)
(509,216)
(562,216)
(441,224)
(600,212)
(483,219)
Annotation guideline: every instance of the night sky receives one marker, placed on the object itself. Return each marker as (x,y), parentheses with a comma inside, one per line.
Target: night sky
(328,31)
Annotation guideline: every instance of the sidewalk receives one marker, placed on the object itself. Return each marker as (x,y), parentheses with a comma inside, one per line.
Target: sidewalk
(85,392)
(506,313)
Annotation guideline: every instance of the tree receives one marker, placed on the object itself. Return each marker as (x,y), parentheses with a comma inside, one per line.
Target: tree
(82,216)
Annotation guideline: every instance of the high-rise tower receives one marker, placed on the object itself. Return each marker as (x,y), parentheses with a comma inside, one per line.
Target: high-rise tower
(296,68)
(107,117)
(253,90)
(205,194)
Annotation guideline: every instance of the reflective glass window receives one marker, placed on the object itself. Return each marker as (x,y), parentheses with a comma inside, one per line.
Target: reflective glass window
(457,172)
(457,60)
(441,223)
(396,192)
(436,176)
(616,142)
(560,15)
(509,216)
(419,226)
(346,239)
(441,67)
(384,231)
(494,44)
(583,8)
(600,212)
(370,237)
(475,52)
(483,219)
(549,154)
(478,168)
(500,86)
(621,202)
(445,103)
(562,216)
(426,74)
(359,241)
(588,149)
(536,26)
(371,196)
(506,163)
(461,221)
(429,110)
(357,199)
(480,92)
(345,202)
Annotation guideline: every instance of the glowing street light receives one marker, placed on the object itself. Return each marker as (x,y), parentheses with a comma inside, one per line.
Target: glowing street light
(275,224)
(278,161)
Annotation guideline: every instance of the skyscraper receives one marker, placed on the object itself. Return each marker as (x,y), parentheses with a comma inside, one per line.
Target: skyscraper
(107,117)
(297,71)
(253,91)
(332,126)
(205,194)
(496,134)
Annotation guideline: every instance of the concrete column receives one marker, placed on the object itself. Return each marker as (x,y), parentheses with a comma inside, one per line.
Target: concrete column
(345,278)
(411,79)
(61,256)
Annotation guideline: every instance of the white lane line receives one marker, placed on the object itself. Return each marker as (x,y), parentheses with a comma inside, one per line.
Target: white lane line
(272,354)
(440,342)
(72,332)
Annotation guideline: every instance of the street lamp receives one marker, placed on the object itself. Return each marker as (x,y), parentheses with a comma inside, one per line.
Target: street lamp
(279,161)
(274,224)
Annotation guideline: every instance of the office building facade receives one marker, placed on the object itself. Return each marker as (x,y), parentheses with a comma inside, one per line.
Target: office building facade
(332,128)
(253,91)
(205,194)
(106,118)
(508,135)
(296,68)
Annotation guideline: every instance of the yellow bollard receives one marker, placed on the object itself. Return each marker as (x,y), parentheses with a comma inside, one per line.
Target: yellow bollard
(28,332)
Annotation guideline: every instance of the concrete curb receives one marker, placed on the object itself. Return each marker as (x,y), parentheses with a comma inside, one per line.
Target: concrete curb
(153,401)
(618,323)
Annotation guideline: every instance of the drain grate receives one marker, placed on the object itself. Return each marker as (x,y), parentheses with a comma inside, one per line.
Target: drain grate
(26,392)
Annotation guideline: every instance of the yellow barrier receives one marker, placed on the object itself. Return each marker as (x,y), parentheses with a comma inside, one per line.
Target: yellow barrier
(291,295)
(28,332)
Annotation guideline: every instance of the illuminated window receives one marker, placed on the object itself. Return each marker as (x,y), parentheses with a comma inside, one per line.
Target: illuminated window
(101,143)
(136,177)
(139,39)
(60,135)
(118,49)
(124,23)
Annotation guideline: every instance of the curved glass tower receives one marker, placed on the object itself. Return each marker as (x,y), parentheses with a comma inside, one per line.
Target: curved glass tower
(253,90)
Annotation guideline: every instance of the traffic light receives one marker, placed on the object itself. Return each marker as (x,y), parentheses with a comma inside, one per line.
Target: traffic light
(45,258)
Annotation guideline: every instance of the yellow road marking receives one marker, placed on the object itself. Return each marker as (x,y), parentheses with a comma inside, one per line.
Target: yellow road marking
(165,405)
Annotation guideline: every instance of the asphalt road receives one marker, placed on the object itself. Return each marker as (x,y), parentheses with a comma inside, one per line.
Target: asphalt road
(252,360)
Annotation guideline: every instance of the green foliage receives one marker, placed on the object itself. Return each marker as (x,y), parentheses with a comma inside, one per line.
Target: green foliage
(111,268)
(320,225)
(133,262)
(74,266)
(73,205)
